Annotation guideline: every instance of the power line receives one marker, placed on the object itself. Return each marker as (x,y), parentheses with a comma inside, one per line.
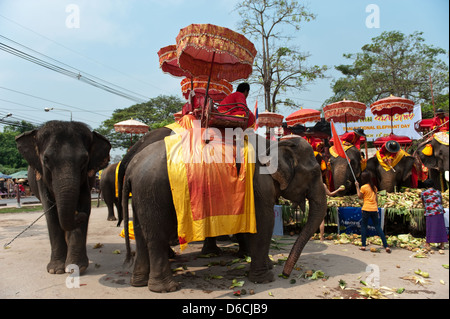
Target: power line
(80,54)
(84,77)
(51,101)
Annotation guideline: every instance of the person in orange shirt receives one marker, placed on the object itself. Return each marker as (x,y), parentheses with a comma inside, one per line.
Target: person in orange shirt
(237,98)
(368,193)
(439,120)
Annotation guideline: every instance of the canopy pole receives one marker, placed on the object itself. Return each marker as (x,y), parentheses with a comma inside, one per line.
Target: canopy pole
(345,122)
(209,78)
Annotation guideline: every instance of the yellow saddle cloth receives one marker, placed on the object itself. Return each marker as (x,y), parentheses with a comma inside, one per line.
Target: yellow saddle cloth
(394,160)
(210,196)
(441,137)
(335,154)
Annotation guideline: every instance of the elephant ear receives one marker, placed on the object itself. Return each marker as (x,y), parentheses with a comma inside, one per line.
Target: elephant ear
(98,153)
(408,167)
(27,146)
(372,164)
(426,154)
(287,162)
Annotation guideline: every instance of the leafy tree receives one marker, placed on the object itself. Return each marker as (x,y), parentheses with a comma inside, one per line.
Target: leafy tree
(280,65)
(11,160)
(440,102)
(395,64)
(157,112)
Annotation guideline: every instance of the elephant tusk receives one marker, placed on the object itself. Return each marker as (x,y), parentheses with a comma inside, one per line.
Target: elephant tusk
(446,176)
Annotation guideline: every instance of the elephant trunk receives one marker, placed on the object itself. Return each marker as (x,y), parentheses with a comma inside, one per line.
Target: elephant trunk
(67,193)
(317,212)
(342,176)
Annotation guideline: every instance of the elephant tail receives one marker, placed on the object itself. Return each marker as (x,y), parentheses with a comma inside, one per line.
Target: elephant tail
(120,181)
(126,189)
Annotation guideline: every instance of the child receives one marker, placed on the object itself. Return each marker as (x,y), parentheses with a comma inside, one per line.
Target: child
(368,193)
(434,216)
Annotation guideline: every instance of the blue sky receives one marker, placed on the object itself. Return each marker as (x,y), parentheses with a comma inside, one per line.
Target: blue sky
(117,41)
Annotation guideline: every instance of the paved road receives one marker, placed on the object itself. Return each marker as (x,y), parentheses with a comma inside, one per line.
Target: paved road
(23,269)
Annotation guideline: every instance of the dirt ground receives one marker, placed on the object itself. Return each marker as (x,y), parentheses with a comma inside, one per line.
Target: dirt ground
(23,269)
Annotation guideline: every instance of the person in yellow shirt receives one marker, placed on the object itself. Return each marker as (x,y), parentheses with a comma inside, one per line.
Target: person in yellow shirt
(368,193)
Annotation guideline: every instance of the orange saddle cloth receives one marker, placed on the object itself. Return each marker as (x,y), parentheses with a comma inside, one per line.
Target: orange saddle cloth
(211,196)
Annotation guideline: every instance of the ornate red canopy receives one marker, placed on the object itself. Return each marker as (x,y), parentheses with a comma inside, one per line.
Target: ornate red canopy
(302,116)
(216,52)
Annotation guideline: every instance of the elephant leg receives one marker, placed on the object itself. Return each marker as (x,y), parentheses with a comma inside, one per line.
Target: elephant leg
(161,278)
(259,245)
(57,243)
(142,262)
(110,204)
(76,239)
(210,247)
(76,243)
(243,246)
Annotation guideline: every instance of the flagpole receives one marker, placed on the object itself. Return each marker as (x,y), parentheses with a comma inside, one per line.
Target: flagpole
(346,157)
(351,169)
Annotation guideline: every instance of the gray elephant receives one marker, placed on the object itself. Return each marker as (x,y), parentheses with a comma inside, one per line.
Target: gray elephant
(297,177)
(394,178)
(210,245)
(435,158)
(63,158)
(149,138)
(341,172)
(108,191)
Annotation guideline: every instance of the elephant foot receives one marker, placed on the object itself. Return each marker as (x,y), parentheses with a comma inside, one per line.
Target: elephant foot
(206,250)
(81,262)
(139,280)
(210,247)
(163,286)
(171,253)
(241,253)
(111,218)
(261,277)
(56,267)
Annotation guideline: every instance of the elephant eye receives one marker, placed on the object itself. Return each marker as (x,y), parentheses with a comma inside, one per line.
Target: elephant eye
(84,160)
(46,160)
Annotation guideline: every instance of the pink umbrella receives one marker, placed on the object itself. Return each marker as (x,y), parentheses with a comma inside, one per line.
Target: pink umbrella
(344,111)
(168,61)
(270,119)
(218,89)
(303,116)
(216,52)
(392,105)
(132,127)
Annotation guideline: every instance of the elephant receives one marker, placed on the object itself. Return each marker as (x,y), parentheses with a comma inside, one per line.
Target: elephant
(149,138)
(341,172)
(63,158)
(297,177)
(437,162)
(395,178)
(210,245)
(108,190)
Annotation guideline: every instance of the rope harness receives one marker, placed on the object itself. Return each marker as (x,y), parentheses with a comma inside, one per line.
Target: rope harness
(6,246)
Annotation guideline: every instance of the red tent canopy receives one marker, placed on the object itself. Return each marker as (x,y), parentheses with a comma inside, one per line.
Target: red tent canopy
(404,141)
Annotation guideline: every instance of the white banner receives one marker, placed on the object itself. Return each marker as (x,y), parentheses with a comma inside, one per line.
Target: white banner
(379,126)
